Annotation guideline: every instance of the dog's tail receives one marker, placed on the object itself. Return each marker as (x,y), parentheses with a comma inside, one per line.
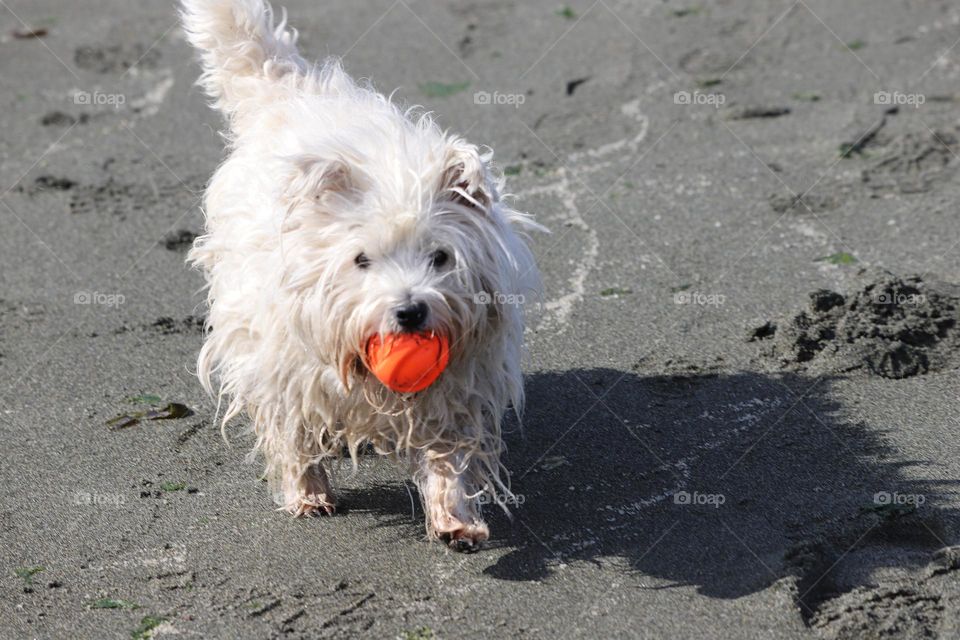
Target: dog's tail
(242,48)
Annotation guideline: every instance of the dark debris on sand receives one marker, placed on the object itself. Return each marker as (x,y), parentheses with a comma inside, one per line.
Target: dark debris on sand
(893,327)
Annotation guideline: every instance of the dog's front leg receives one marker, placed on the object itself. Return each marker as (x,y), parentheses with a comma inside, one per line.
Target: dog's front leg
(452,506)
(306,488)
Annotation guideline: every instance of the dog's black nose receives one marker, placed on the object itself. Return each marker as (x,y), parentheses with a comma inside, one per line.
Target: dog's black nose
(412,317)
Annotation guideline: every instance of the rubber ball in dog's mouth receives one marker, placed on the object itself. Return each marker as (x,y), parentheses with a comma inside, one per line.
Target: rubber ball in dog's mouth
(408,362)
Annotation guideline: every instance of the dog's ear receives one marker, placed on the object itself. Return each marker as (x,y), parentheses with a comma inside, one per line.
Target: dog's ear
(465,178)
(319,180)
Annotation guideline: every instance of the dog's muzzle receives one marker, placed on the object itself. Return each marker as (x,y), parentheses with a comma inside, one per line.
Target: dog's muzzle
(412,317)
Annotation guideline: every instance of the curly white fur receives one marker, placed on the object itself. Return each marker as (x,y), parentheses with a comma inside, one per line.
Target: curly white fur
(320,170)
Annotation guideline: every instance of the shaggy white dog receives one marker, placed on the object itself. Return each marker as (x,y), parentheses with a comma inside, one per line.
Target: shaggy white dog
(335,217)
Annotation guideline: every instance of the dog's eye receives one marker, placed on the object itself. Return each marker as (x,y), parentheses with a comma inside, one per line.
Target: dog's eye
(362,261)
(439,258)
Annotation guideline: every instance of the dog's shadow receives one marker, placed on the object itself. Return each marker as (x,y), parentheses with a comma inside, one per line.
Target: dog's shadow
(728,482)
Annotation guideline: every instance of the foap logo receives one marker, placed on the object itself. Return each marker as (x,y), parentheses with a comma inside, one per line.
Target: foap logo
(696,498)
(514,100)
(96,499)
(99,99)
(503,299)
(99,298)
(887,498)
(899,99)
(902,299)
(698,298)
(501,500)
(715,100)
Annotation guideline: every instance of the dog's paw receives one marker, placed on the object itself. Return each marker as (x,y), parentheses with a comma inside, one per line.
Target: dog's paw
(313,505)
(465,538)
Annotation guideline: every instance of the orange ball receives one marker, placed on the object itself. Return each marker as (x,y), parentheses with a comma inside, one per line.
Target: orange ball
(408,362)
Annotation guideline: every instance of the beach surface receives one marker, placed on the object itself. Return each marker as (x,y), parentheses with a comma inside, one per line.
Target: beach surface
(741,383)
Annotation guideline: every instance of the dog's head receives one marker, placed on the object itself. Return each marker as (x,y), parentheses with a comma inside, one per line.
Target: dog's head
(402,232)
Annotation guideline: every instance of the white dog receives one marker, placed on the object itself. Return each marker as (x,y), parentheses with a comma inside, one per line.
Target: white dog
(338,216)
